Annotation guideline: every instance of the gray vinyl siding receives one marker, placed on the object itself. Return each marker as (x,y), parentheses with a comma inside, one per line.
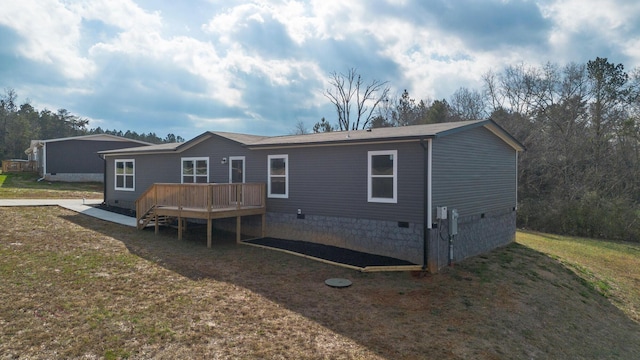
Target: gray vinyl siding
(332,181)
(474,172)
(217,148)
(326,181)
(80,156)
(149,169)
(167,168)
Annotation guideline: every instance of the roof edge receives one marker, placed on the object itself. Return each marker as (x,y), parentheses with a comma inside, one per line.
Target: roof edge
(492,126)
(82,137)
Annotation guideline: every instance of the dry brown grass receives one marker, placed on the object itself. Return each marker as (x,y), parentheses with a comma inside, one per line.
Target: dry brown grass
(76,287)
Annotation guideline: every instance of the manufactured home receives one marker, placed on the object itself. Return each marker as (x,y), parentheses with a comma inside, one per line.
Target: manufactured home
(74,159)
(427,194)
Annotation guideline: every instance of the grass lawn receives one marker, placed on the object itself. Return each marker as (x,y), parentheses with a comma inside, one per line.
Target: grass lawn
(612,268)
(76,287)
(26,186)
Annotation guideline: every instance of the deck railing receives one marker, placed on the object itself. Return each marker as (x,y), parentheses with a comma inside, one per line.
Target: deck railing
(210,197)
(18,166)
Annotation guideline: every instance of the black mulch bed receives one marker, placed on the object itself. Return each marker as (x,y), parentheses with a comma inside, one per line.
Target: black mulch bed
(331,253)
(115,209)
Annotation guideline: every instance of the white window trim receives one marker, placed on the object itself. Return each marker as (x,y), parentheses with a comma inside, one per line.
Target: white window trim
(286,176)
(194,159)
(370,177)
(115,173)
(244,164)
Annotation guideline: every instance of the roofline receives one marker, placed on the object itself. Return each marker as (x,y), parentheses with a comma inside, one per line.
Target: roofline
(340,143)
(489,124)
(193,142)
(500,132)
(123,152)
(80,137)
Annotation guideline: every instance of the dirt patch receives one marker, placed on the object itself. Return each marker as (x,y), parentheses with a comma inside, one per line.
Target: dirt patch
(75,287)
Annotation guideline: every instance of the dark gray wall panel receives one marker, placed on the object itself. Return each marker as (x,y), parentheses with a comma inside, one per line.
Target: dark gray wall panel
(217,148)
(167,168)
(80,156)
(473,171)
(332,181)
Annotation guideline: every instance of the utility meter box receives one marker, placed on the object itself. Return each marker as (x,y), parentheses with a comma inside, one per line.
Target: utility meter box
(441,213)
(453,222)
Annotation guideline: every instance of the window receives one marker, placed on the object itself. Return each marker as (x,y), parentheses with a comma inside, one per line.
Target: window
(125,175)
(383,176)
(278,185)
(195,170)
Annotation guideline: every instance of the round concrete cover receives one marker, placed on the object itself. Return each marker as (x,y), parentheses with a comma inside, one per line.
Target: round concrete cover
(338,283)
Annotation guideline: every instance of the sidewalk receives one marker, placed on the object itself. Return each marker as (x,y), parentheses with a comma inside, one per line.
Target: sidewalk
(81,206)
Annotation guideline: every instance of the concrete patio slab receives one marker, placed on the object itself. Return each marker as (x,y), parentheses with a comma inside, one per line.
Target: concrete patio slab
(82,206)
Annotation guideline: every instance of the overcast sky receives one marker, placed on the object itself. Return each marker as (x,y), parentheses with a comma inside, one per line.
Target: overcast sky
(259,67)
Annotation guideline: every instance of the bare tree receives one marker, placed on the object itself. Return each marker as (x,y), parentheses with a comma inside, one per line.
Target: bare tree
(467,104)
(348,91)
(299,129)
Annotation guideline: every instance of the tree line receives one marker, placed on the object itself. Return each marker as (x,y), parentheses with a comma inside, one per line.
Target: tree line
(21,123)
(580,124)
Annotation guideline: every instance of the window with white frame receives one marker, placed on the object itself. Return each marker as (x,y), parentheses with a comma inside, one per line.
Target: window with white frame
(125,174)
(195,170)
(383,176)
(278,184)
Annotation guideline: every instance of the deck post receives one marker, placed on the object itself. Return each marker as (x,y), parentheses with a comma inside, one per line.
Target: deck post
(238,228)
(209,231)
(157,226)
(179,212)
(263,193)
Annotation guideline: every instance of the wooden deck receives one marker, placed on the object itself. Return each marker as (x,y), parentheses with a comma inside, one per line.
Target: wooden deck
(200,201)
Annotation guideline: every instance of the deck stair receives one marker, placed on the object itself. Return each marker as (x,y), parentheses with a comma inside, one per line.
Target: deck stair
(150,218)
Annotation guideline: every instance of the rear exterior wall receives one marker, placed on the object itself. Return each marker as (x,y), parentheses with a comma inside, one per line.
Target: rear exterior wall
(327,183)
(329,186)
(474,172)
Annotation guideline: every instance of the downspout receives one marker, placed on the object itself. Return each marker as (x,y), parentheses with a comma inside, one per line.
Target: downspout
(104,179)
(44,161)
(426,201)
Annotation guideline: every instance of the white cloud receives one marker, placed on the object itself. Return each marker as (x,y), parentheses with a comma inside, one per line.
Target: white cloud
(124,14)
(245,64)
(606,22)
(603,15)
(50,33)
